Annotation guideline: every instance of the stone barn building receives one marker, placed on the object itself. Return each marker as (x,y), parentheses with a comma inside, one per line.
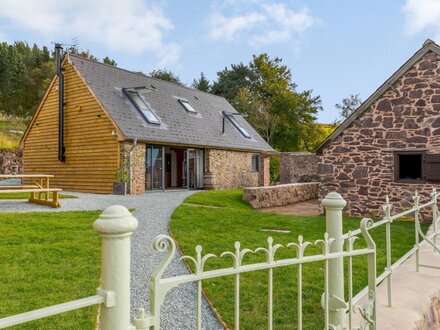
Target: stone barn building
(96,119)
(391,143)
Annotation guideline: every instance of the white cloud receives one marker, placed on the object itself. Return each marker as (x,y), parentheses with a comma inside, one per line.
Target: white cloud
(421,15)
(131,26)
(266,23)
(230,28)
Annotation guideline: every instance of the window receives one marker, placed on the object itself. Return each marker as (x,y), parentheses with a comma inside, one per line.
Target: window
(237,125)
(187,106)
(136,96)
(409,167)
(256,163)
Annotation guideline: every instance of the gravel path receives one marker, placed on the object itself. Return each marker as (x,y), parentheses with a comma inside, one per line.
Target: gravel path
(153,211)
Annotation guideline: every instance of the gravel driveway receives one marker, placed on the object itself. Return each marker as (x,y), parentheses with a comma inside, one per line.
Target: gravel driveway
(153,211)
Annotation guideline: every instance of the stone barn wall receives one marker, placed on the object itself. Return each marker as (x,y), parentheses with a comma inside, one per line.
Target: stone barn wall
(298,167)
(359,163)
(11,161)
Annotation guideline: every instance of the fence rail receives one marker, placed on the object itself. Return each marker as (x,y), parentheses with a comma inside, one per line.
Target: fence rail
(116,224)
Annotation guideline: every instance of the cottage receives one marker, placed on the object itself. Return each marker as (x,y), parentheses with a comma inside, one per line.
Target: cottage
(95,119)
(391,143)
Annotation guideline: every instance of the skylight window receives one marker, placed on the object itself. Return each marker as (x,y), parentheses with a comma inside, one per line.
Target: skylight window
(187,106)
(237,125)
(135,96)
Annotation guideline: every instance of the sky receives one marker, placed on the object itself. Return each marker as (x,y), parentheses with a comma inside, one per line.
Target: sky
(335,48)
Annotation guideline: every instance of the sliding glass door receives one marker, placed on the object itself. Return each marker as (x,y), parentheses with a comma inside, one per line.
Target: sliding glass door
(154,168)
(159,165)
(194,168)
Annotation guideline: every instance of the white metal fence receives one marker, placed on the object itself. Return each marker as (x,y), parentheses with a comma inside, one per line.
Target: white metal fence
(116,224)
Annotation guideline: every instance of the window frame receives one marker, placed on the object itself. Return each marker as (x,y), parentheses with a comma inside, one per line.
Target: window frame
(237,124)
(258,159)
(136,90)
(187,106)
(397,155)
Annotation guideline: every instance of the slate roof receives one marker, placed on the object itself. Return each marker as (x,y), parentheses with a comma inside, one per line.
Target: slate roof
(178,127)
(428,46)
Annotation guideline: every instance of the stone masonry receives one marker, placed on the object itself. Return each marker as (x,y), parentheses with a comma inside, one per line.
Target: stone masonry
(360,162)
(280,195)
(298,167)
(138,165)
(233,169)
(11,161)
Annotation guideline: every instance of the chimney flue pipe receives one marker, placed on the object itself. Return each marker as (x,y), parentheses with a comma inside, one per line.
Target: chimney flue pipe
(61,149)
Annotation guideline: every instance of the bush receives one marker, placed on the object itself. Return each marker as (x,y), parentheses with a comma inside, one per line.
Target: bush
(274,170)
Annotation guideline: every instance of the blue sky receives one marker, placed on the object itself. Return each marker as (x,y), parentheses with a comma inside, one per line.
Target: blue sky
(336,48)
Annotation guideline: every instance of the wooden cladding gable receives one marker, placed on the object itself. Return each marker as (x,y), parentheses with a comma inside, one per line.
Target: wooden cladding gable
(92,147)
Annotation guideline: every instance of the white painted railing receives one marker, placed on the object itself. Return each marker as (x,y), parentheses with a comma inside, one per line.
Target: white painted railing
(332,256)
(116,224)
(430,239)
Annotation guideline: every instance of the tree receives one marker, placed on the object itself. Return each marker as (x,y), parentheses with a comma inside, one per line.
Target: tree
(109,61)
(230,81)
(347,106)
(201,84)
(283,111)
(166,75)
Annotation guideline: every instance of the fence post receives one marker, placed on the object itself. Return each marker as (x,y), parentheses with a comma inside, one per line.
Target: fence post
(115,225)
(333,204)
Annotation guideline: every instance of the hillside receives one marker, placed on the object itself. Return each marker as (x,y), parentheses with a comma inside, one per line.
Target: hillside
(11,130)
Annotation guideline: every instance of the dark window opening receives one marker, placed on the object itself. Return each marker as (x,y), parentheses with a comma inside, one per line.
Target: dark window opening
(256,163)
(409,167)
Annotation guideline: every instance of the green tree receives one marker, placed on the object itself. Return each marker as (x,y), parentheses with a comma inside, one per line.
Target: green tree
(201,84)
(274,107)
(230,81)
(109,61)
(347,106)
(166,75)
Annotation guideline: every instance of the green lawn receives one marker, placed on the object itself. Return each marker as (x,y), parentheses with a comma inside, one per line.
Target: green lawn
(23,195)
(47,259)
(217,228)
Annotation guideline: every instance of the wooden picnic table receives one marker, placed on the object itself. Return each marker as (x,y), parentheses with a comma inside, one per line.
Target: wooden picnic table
(39,190)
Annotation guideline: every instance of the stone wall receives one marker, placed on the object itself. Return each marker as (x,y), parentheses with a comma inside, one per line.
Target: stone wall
(298,167)
(283,194)
(11,161)
(359,164)
(232,169)
(138,165)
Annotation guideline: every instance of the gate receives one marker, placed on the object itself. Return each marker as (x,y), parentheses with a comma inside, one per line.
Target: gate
(116,224)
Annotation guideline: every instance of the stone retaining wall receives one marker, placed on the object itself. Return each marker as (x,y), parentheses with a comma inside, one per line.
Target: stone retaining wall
(11,161)
(298,167)
(280,195)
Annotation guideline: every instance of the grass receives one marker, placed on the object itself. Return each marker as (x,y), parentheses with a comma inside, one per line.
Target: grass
(216,229)
(47,259)
(10,126)
(23,195)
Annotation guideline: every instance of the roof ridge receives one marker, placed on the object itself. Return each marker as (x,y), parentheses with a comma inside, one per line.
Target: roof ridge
(141,74)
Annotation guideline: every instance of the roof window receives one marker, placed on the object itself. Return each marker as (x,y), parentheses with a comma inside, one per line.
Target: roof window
(137,96)
(188,107)
(236,123)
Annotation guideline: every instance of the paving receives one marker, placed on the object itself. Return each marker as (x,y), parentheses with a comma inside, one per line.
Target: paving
(307,208)
(153,211)
(413,293)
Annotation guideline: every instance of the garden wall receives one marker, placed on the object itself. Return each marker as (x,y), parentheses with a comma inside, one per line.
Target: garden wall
(280,195)
(11,161)
(298,167)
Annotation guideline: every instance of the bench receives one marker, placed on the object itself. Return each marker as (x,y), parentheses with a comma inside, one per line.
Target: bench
(39,191)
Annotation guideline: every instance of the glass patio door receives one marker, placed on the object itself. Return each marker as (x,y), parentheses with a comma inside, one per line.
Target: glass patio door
(194,168)
(154,175)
